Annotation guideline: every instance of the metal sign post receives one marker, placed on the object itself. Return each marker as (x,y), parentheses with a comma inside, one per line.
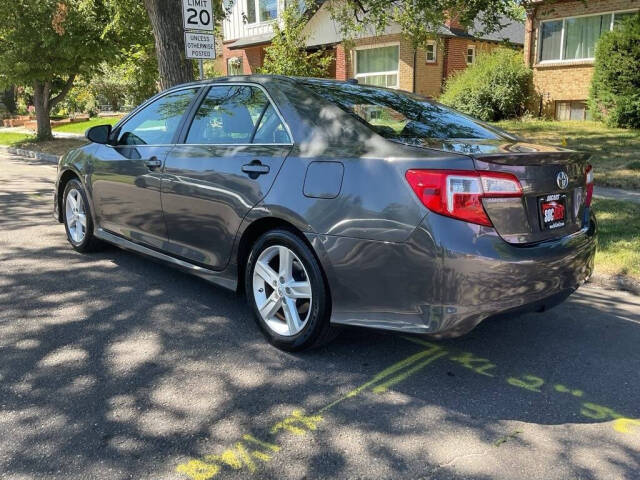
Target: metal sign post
(197,17)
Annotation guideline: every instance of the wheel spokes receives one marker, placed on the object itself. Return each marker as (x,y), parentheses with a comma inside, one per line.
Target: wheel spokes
(271,306)
(72,201)
(268,274)
(286,263)
(291,316)
(299,290)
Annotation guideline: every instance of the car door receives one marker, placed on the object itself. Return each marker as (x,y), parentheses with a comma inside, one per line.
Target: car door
(126,176)
(230,156)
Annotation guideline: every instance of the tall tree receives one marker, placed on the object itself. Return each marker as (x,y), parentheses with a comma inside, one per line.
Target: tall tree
(166,20)
(48,43)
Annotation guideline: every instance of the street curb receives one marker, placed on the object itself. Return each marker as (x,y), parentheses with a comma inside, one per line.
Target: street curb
(615,282)
(45,157)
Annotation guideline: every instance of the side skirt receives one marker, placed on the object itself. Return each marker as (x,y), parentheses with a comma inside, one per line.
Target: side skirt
(209,275)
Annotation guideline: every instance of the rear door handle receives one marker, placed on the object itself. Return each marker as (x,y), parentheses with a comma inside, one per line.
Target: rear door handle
(153,163)
(255,168)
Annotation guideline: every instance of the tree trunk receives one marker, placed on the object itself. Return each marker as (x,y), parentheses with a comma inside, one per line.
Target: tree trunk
(166,22)
(44,103)
(41,102)
(9,99)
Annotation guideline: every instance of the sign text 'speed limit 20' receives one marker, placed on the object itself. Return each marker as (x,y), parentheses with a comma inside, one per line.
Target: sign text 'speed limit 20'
(197,15)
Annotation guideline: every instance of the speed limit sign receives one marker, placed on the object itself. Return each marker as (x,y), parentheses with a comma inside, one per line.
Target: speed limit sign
(197,15)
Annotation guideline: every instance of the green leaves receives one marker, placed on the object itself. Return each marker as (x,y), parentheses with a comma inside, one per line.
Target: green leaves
(615,86)
(496,86)
(420,20)
(287,54)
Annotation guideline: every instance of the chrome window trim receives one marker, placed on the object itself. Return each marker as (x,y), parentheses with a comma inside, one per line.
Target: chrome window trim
(273,104)
(197,87)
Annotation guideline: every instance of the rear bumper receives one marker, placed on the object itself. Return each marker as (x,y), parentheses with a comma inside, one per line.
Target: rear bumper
(444,284)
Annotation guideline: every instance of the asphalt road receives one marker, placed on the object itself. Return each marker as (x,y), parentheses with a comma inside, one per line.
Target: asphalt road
(113,367)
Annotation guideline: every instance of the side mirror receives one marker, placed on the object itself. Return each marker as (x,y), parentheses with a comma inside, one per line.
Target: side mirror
(99,134)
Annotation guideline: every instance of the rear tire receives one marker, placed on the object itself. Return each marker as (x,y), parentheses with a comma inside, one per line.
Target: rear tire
(287,292)
(78,221)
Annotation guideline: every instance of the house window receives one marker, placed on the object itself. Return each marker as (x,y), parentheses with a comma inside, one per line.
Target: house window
(575,38)
(234,66)
(471,54)
(431,51)
(572,110)
(378,66)
(261,10)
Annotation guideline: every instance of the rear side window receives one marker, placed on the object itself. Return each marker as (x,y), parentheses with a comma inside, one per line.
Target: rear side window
(402,116)
(157,123)
(234,115)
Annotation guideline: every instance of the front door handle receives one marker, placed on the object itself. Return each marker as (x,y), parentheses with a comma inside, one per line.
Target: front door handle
(153,163)
(255,168)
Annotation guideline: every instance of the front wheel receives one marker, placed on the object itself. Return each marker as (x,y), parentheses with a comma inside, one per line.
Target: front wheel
(78,222)
(286,289)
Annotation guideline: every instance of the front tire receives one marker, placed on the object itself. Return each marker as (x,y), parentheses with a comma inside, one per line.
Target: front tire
(285,287)
(78,221)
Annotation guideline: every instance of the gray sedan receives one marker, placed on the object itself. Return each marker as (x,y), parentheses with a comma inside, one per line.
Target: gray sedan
(331,203)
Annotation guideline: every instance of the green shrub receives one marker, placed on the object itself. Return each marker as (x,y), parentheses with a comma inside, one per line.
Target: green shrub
(615,86)
(497,86)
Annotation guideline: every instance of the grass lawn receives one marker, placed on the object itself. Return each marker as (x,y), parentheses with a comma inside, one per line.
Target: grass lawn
(615,152)
(618,237)
(13,138)
(81,127)
(58,146)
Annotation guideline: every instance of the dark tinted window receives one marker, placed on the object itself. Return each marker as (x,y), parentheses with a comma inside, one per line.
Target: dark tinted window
(401,116)
(229,115)
(271,129)
(157,123)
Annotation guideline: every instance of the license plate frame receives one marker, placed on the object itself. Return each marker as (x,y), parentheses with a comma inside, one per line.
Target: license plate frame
(552,209)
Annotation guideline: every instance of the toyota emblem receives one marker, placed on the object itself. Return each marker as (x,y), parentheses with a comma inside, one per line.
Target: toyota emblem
(562,179)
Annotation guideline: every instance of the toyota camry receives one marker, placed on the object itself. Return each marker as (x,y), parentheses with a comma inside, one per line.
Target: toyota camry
(330,203)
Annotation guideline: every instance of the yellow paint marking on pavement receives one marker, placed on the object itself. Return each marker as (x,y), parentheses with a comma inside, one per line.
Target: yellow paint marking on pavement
(624,425)
(534,384)
(396,367)
(383,387)
(298,423)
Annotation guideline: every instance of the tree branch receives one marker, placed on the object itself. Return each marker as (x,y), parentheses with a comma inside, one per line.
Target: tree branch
(67,86)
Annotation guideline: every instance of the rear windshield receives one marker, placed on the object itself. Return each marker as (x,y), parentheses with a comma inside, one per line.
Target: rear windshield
(402,116)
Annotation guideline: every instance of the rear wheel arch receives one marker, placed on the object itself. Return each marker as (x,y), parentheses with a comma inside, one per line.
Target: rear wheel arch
(259,227)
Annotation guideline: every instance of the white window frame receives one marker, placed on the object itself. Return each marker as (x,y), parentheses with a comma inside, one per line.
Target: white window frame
(434,44)
(564,22)
(390,72)
(471,48)
(256,4)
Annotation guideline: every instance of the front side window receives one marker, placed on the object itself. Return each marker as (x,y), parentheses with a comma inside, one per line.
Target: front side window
(232,115)
(575,38)
(471,54)
(401,116)
(378,66)
(156,124)
(261,10)
(431,51)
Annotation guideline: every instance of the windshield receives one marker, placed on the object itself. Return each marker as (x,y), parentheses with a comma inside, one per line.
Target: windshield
(402,116)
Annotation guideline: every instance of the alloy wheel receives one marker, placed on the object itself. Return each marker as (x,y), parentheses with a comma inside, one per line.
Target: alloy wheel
(76,216)
(282,290)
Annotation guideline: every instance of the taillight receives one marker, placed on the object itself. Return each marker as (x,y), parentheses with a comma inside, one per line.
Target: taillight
(459,193)
(588,175)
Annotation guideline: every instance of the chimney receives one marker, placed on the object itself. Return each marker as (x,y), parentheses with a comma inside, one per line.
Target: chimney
(452,22)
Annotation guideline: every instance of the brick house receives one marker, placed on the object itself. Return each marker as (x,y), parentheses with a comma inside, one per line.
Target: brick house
(386,60)
(560,40)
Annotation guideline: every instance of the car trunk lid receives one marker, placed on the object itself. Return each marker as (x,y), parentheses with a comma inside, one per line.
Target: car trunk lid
(553,186)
